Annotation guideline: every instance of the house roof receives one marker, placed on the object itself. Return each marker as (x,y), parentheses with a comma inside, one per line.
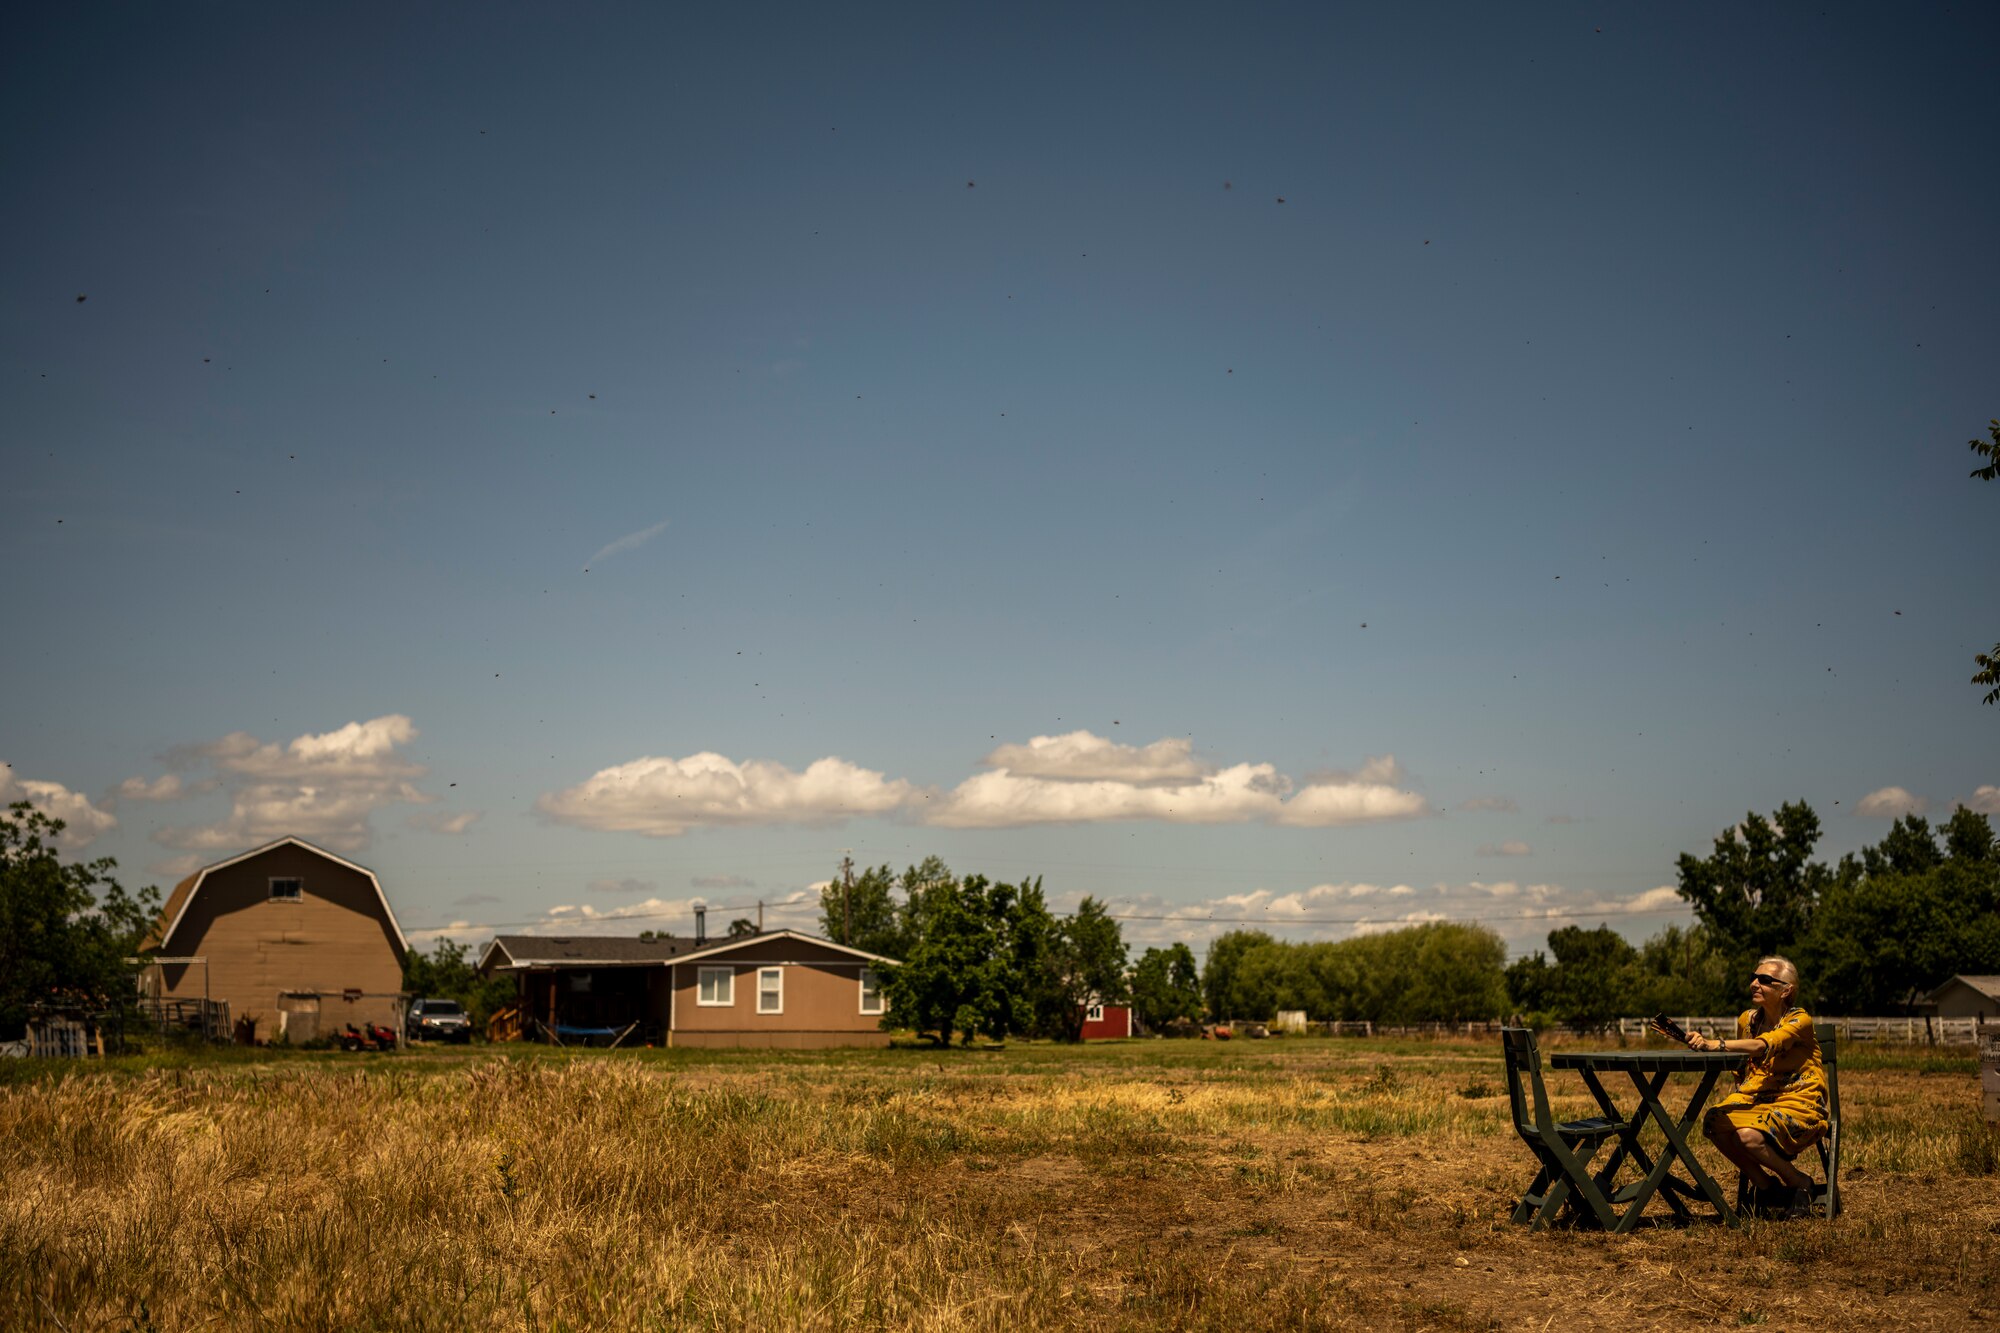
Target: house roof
(581,951)
(1987,986)
(178,901)
(522,951)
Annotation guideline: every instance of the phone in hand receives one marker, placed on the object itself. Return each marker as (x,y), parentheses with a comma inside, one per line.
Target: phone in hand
(1666,1027)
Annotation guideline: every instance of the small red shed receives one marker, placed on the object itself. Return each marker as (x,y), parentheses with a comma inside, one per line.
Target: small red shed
(1102,1022)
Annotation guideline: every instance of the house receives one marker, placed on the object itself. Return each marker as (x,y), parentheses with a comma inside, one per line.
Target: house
(296,941)
(1104,1021)
(1967,997)
(779,988)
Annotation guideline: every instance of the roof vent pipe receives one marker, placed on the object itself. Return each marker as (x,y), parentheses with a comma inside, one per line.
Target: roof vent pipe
(700,922)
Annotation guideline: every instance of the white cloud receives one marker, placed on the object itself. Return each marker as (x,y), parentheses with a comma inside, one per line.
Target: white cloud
(177,867)
(1079,756)
(1985,800)
(1892,802)
(319,787)
(1512,847)
(1498,804)
(663,798)
(437,821)
(166,787)
(83,822)
(631,541)
(1081,778)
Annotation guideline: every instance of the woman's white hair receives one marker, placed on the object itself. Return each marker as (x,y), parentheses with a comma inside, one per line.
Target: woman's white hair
(1791,973)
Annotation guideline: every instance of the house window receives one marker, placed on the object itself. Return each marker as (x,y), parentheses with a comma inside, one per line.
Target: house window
(287,890)
(770,990)
(871,991)
(718,986)
(1094,1014)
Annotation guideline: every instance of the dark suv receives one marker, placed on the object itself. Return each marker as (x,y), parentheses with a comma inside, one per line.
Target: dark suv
(438,1020)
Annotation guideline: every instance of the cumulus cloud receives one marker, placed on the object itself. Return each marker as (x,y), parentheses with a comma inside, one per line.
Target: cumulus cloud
(83,822)
(1081,778)
(663,798)
(1512,847)
(1985,800)
(322,787)
(437,821)
(1080,756)
(631,541)
(1891,802)
(1498,804)
(166,787)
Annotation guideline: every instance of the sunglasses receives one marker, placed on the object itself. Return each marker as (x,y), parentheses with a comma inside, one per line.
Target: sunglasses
(1759,979)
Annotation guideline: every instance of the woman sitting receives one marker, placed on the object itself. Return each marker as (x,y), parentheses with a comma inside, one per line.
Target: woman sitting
(1779,1106)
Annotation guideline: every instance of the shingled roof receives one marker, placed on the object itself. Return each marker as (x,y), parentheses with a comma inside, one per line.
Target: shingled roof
(579,950)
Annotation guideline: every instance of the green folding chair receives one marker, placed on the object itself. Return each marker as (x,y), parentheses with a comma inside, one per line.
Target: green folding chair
(1562,1150)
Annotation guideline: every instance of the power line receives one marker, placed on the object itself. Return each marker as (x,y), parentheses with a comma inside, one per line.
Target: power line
(1480,919)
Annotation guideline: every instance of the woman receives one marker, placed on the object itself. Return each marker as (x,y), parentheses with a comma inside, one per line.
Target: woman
(1779,1106)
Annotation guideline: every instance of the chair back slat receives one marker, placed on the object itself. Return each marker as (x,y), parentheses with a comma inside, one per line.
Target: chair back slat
(1518,1045)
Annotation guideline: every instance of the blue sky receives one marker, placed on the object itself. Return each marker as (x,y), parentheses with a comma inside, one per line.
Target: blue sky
(1301,466)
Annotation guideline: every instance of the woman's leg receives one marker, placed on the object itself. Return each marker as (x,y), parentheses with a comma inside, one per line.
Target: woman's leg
(1728,1140)
(1758,1149)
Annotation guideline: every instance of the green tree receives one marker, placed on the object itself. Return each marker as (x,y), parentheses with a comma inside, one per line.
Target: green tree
(1916,914)
(942,984)
(1587,984)
(1084,962)
(867,917)
(1757,891)
(1988,663)
(65,927)
(742,928)
(449,972)
(1232,990)
(1166,987)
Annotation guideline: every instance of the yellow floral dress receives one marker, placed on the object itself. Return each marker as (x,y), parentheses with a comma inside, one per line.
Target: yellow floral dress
(1783,1091)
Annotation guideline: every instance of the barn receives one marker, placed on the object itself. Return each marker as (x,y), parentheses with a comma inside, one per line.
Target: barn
(1967,997)
(296,942)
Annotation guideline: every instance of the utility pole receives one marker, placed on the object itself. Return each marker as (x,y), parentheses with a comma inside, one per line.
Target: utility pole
(760,916)
(847,899)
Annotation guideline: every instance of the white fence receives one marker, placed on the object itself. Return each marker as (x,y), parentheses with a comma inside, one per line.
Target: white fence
(1916,1031)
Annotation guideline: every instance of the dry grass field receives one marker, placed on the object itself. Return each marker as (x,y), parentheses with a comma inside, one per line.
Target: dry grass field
(1275,1185)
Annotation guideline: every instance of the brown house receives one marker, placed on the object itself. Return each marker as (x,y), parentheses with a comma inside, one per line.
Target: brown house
(292,938)
(779,989)
(1967,997)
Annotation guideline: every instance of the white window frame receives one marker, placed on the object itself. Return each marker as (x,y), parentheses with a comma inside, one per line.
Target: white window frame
(724,989)
(779,974)
(276,897)
(1094,1014)
(868,975)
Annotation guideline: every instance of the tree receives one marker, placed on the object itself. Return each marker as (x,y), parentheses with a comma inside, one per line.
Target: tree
(1166,987)
(870,917)
(1988,663)
(448,972)
(1913,915)
(60,941)
(1234,991)
(1758,890)
(1083,963)
(742,928)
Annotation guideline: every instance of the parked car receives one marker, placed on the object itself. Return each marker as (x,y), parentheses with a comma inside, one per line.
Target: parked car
(438,1020)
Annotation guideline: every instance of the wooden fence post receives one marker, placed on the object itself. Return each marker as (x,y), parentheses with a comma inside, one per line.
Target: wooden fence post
(1989,1071)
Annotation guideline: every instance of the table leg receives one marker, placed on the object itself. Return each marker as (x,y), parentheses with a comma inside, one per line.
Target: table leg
(1677,1148)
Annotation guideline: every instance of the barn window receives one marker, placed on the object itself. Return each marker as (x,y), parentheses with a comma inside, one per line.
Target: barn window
(718,986)
(1095,1013)
(288,890)
(770,990)
(871,991)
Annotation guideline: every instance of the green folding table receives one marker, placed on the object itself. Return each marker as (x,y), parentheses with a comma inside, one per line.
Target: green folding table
(1649,1072)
